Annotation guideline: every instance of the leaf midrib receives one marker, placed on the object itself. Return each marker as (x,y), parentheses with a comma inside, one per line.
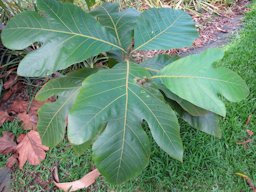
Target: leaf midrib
(162,32)
(114,25)
(160,125)
(195,77)
(125,116)
(68,33)
(61,107)
(57,16)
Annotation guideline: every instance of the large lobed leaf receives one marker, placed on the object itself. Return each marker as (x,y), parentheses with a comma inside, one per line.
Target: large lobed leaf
(196,79)
(197,117)
(201,119)
(185,105)
(120,23)
(113,99)
(112,104)
(30,149)
(163,29)
(68,35)
(52,116)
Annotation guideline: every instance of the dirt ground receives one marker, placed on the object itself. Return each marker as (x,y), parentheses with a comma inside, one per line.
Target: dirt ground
(214,31)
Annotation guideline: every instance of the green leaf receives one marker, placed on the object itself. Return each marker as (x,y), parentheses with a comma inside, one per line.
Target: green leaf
(207,123)
(158,62)
(90,3)
(68,35)
(163,29)
(120,23)
(187,106)
(114,98)
(196,80)
(52,116)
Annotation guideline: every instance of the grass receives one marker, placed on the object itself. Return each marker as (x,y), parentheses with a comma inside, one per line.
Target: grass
(209,164)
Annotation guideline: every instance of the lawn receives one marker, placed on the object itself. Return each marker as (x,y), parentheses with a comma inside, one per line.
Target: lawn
(209,163)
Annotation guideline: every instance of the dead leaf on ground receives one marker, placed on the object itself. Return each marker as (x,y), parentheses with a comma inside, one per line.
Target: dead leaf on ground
(11,81)
(249,132)
(37,104)
(18,106)
(16,88)
(7,95)
(248,180)
(82,183)
(7,142)
(29,121)
(8,72)
(222,30)
(31,149)
(4,116)
(5,179)
(11,161)
(20,138)
(245,142)
(248,120)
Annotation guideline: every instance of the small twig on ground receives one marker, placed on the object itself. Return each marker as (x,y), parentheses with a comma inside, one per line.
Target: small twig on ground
(248,180)
(248,120)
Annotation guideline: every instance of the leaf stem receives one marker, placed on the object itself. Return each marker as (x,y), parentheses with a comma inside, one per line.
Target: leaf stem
(154,77)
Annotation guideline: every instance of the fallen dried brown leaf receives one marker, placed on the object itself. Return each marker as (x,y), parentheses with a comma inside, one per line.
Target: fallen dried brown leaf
(20,138)
(248,180)
(248,120)
(31,149)
(82,183)
(11,81)
(4,116)
(11,161)
(18,106)
(29,121)
(14,89)
(249,132)
(245,142)
(7,142)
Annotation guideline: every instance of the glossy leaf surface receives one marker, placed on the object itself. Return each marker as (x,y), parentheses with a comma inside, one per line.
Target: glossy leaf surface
(114,98)
(52,116)
(120,23)
(109,108)
(185,105)
(163,29)
(195,79)
(206,122)
(68,35)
